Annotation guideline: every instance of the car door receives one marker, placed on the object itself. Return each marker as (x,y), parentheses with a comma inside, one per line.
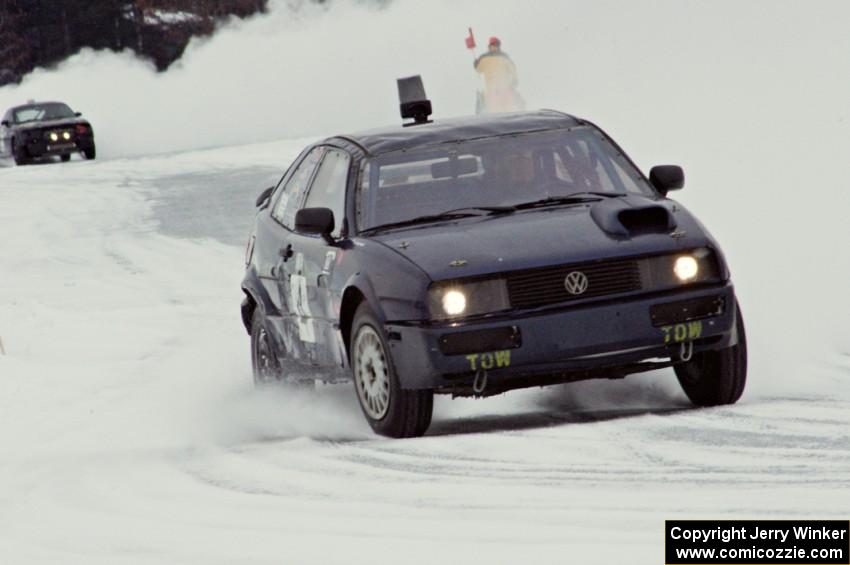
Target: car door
(273,230)
(310,269)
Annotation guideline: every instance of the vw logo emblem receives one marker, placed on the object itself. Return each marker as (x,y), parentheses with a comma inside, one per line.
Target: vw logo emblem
(576,283)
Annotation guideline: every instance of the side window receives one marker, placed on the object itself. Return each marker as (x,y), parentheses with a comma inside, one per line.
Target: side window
(293,191)
(328,189)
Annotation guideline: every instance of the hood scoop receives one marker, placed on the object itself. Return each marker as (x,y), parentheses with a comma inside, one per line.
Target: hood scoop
(631,216)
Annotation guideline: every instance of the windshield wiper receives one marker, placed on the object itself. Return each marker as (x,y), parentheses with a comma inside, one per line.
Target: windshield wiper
(490,209)
(599,193)
(575,198)
(447,215)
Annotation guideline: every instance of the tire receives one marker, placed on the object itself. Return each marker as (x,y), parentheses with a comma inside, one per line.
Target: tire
(713,378)
(65,158)
(90,153)
(264,361)
(390,410)
(19,154)
(265,364)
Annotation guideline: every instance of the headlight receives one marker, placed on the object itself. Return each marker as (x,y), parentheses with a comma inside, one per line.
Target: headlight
(455,299)
(54,136)
(696,266)
(66,135)
(686,268)
(454,302)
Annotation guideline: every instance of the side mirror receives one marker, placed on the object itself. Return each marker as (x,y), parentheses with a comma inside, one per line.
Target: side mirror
(264,195)
(78,114)
(666,178)
(318,221)
(5,123)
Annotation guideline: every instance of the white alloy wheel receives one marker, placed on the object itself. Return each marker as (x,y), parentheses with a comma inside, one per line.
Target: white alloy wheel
(371,373)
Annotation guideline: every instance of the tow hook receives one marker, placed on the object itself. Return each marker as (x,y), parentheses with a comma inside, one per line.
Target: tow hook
(686,351)
(480,382)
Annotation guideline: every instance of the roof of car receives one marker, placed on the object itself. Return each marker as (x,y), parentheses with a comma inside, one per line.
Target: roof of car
(397,138)
(28,104)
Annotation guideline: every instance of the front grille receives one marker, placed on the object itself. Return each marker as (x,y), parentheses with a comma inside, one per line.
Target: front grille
(537,287)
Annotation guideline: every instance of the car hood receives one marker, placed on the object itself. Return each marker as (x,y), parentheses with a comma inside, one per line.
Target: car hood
(548,236)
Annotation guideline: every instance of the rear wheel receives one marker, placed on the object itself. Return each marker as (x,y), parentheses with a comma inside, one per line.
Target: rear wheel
(65,158)
(263,358)
(390,410)
(718,377)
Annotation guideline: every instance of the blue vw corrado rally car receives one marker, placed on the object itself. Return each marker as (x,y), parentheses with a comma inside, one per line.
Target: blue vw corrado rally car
(473,256)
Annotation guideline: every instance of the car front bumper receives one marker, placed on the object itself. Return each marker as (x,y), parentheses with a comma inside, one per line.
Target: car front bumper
(600,339)
(38,147)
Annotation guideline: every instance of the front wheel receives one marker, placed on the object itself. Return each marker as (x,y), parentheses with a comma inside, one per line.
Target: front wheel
(19,153)
(390,410)
(90,153)
(713,378)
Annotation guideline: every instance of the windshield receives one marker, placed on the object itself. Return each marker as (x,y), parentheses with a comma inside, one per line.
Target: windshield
(43,112)
(492,172)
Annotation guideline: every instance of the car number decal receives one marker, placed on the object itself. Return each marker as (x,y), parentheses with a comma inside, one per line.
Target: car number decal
(300,301)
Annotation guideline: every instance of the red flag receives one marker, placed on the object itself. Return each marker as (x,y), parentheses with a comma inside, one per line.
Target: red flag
(470,40)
